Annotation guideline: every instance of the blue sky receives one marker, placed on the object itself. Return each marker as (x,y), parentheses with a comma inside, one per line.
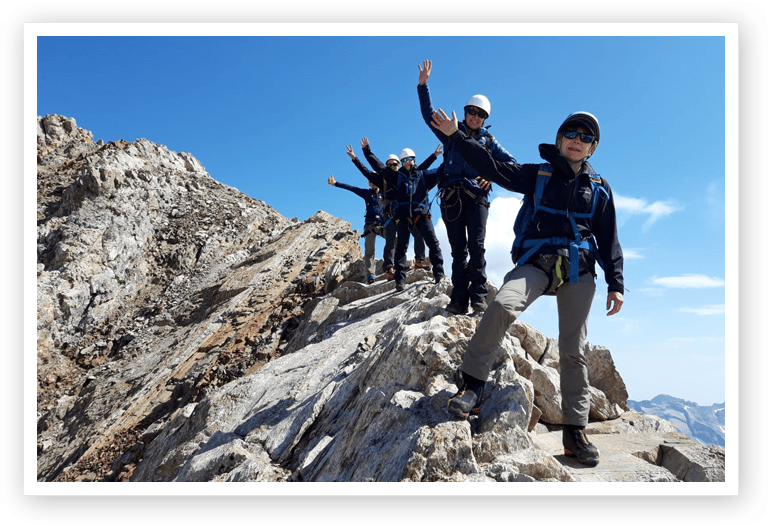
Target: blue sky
(272,115)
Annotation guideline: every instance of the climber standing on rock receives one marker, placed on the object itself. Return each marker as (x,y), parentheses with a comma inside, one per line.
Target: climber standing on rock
(411,212)
(566,224)
(374,222)
(463,199)
(389,201)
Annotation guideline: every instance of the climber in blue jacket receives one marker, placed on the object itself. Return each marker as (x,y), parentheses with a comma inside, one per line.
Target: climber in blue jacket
(566,224)
(411,212)
(389,195)
(463,200)
(374,222)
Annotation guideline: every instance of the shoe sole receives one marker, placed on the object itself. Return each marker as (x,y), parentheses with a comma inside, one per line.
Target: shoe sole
(591,462)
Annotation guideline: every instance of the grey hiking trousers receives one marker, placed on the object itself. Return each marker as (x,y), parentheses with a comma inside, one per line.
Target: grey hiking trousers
(522,286)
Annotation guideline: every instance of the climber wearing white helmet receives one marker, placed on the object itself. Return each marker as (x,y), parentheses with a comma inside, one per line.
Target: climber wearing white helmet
(464,199)
(374,221)
(566,224)
(389,196)
(411,211)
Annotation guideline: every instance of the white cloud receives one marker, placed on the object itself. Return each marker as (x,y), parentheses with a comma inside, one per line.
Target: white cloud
(655,211)
(630,253)
(706,310)
(631,328)
(689,281)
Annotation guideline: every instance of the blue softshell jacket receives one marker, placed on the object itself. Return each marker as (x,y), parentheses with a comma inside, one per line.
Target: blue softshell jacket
(373,211)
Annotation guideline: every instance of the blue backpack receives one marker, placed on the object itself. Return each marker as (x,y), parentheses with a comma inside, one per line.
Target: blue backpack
(529,209)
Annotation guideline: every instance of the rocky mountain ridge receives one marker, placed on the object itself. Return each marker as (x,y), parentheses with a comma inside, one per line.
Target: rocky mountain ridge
(187,332)
(704,424)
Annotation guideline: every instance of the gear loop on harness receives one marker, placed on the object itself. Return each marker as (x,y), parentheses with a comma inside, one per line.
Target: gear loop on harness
(446,203)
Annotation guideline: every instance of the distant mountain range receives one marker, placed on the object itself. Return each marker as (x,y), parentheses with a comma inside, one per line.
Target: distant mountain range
(704,424)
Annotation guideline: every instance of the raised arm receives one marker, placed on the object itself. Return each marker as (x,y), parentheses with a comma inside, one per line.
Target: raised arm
(425,101)
(374,161)
(372,176)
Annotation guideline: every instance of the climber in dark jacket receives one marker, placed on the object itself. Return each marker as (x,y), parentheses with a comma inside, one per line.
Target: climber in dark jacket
(464,202)
(411,212)
(388,199)
(374,222)
(568,223)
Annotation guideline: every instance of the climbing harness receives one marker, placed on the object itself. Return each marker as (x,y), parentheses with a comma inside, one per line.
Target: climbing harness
(528,210)
(448,197)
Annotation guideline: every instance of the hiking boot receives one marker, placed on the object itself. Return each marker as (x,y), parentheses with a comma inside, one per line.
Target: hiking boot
(370,280)
(400,287)
(576,444)
(479,306)
(439,277)
(467,400)
(420,263)
(389,274)
(454,308)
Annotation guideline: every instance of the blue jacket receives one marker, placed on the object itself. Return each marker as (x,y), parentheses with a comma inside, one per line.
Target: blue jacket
(412,197)
(373,211)
(376,176)
(565,191)
(455,168)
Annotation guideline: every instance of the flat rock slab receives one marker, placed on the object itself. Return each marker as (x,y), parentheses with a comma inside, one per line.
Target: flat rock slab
(623,458)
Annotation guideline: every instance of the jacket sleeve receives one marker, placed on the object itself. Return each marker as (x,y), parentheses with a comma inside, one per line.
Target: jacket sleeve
(428,162)
(500,153)
(510,175)
(370,175)
(355,190)
(608,247)
(425,103)
(377,165)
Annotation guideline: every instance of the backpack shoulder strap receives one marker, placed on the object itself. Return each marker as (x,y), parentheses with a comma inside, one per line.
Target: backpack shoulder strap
(542,178)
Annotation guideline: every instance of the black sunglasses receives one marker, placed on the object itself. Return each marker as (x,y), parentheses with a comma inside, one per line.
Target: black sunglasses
(392,163)
(584,137)
(475,111)
(409,159)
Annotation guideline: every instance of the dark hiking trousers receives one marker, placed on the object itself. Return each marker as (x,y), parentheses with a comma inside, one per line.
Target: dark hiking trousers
(522,286)
(465,221)
(424,226)
(391,241)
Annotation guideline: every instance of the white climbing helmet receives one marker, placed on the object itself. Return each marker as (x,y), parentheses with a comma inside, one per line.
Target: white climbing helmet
(479,101)
(407,152)
(392,157)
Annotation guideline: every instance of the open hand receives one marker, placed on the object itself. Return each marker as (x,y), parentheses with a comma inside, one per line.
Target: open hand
(424,73)
(441,121)
(364,143)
